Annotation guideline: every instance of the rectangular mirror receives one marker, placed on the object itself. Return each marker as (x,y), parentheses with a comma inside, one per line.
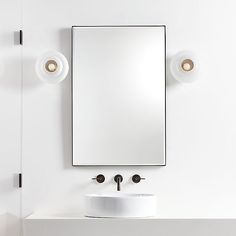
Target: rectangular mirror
(118,83)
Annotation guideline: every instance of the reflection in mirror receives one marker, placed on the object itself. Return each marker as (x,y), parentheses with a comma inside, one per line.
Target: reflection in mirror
(118,95)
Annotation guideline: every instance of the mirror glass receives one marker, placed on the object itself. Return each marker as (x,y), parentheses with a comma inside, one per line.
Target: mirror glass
(118,83)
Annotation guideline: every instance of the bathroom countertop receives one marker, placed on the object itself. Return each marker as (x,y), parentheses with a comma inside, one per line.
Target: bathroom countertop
(61,225)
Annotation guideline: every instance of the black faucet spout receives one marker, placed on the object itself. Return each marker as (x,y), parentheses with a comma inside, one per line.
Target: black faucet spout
(118,179)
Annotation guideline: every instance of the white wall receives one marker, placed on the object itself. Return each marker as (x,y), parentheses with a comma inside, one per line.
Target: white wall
(198,180)
(10,117)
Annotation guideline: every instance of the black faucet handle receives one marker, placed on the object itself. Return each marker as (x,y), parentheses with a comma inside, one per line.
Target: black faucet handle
(99,178)
(137,178)
(118,177)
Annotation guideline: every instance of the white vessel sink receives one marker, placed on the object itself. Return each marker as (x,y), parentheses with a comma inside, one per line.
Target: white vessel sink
(120,205)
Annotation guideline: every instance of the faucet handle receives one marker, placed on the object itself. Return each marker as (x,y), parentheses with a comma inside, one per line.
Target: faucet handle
(118,177)
(99,178)
(136,178)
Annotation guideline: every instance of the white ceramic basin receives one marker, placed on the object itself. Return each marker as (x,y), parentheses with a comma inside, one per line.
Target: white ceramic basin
(120,205)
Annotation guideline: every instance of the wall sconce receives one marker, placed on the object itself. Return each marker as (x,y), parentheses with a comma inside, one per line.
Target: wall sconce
(184,67)
(52,67)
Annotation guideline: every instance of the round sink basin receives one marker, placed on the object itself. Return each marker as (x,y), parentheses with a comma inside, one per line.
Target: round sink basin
(120,205)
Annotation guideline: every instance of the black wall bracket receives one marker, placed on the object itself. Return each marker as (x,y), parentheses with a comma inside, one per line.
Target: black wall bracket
(21,37)
(20,180)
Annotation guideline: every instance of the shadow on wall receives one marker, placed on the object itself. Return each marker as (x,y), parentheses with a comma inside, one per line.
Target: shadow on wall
(8,68)
(9,64)
(66,99)
(8,183)
(30,80)
(171,82)
(16,65)
(9,225)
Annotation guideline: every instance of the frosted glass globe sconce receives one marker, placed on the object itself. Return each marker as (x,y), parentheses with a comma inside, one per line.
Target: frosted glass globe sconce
(52,67)
(184,67)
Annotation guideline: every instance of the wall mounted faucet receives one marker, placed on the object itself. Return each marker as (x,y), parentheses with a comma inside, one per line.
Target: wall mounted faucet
(118,179)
